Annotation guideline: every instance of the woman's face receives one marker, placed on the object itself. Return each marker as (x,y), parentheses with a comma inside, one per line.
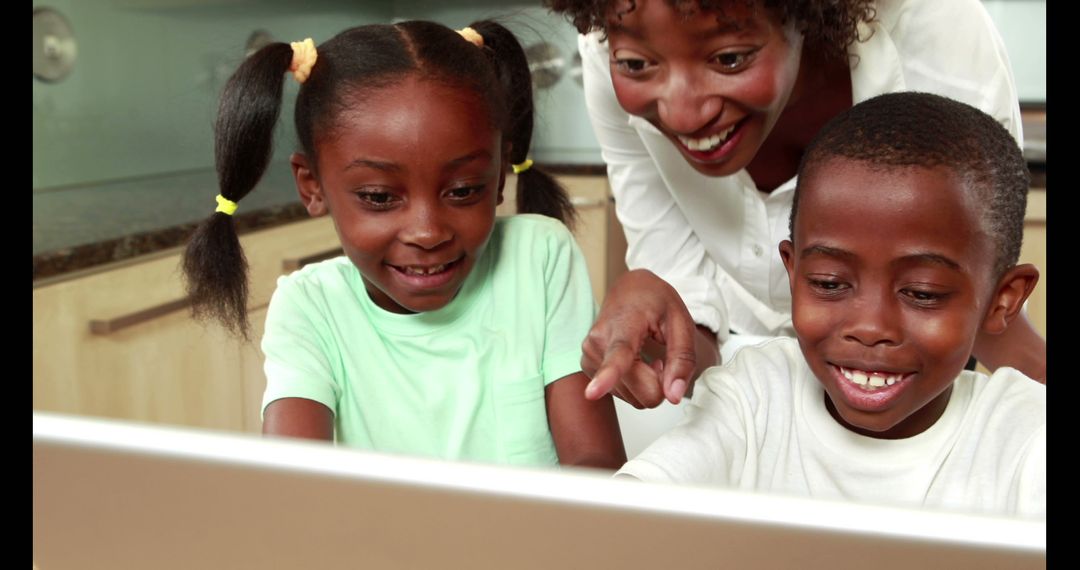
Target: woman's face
(714,84)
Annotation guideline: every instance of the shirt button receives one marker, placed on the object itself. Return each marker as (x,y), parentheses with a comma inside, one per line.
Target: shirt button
(757,249)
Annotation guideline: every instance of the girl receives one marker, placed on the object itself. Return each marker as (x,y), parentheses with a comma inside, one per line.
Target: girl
(703,109)
(443,331)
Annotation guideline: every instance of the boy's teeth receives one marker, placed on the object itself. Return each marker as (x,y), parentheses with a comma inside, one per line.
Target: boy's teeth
(707,143)
(870,380)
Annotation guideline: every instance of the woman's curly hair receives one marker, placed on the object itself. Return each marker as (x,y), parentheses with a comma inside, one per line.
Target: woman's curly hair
(828,25)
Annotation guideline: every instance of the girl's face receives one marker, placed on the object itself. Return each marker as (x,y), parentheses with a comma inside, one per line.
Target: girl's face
(714,85)
(411,176)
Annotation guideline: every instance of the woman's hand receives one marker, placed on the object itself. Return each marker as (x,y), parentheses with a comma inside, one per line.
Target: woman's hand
(643,312)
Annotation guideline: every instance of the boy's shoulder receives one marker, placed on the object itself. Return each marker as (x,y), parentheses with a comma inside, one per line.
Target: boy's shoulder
(1007,399)
(774,366)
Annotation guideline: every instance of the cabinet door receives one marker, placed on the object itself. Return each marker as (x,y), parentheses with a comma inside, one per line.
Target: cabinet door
(165,368)
(121,343)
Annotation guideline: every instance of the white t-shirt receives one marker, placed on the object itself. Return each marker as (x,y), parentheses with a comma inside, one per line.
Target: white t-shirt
(760,423)
(715,239)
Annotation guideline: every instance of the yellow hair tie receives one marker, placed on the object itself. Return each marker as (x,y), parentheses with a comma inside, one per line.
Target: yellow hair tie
(225,205)
(472,36)
(519,168)
(303,58)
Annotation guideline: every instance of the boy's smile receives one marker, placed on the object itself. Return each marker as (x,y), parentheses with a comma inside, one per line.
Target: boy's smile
(891,274)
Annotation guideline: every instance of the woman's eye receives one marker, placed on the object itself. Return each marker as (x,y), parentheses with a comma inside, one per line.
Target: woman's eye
(732,61)
(631,66)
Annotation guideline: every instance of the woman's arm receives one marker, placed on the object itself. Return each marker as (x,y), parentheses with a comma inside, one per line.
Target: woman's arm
(586,432)
(642,313)
(1019,347)
(298,417)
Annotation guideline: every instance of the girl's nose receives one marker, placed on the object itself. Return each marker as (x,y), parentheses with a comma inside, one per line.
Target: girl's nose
(426,228)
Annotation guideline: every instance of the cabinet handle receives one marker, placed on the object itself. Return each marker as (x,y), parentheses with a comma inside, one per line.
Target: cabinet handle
(583,202)
(109,326)
(292,264)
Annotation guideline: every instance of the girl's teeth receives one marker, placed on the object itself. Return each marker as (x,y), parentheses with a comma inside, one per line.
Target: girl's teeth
(424,270)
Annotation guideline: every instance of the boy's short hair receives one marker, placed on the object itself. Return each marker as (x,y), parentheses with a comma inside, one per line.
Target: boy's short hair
(925,130)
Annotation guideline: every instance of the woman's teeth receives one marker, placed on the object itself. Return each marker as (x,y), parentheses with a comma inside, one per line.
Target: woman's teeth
(707,143)
(870,380)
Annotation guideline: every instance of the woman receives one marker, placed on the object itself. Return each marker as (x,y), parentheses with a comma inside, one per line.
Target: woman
(702,110)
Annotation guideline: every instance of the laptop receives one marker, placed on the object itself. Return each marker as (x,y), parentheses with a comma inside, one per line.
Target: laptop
(119,495)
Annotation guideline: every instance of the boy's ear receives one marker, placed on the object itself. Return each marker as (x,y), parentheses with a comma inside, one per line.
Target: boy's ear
(307,185)
(1012,290)
(787,253)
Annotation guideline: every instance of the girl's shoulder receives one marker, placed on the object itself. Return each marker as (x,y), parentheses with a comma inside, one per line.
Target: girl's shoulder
(334,274)
(531,229)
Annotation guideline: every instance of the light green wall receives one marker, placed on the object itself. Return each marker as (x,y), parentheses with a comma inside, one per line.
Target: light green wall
(562,132)
(143,95)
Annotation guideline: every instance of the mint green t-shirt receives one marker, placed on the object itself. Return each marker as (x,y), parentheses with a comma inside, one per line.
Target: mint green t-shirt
(463,382)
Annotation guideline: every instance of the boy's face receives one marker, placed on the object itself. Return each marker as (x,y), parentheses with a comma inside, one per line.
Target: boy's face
(891,274)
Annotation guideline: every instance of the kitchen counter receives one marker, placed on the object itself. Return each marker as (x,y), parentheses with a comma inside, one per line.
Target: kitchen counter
(85,227)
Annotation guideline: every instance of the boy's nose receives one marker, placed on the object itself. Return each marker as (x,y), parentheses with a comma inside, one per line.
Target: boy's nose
(873,321)
(685,106)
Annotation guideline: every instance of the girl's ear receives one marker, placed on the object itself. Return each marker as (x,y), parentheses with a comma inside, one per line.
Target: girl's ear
(307,185)
(1012,290)
(507,147)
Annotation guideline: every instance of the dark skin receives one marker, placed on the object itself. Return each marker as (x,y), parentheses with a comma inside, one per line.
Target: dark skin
(644,316)
(414,181)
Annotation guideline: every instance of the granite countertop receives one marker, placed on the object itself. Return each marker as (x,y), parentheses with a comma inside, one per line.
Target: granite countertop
(83,227)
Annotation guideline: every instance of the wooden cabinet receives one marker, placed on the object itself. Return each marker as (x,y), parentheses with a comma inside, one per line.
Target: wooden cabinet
(1034,251)
(121,343)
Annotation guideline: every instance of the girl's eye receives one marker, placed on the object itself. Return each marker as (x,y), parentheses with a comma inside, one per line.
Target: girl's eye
(376,200)
(732,61)
(464,193)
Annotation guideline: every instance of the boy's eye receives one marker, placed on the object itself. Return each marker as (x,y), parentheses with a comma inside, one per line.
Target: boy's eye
(827,287)
(732,60)
(923,298)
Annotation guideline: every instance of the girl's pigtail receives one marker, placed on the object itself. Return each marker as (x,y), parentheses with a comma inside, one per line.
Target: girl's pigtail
(214,264)
(537,191)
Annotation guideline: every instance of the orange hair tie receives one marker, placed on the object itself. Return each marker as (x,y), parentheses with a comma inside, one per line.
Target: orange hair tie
(303,58)
(472,36)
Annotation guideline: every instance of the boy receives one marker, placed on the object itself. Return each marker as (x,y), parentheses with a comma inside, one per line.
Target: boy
(905,233)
